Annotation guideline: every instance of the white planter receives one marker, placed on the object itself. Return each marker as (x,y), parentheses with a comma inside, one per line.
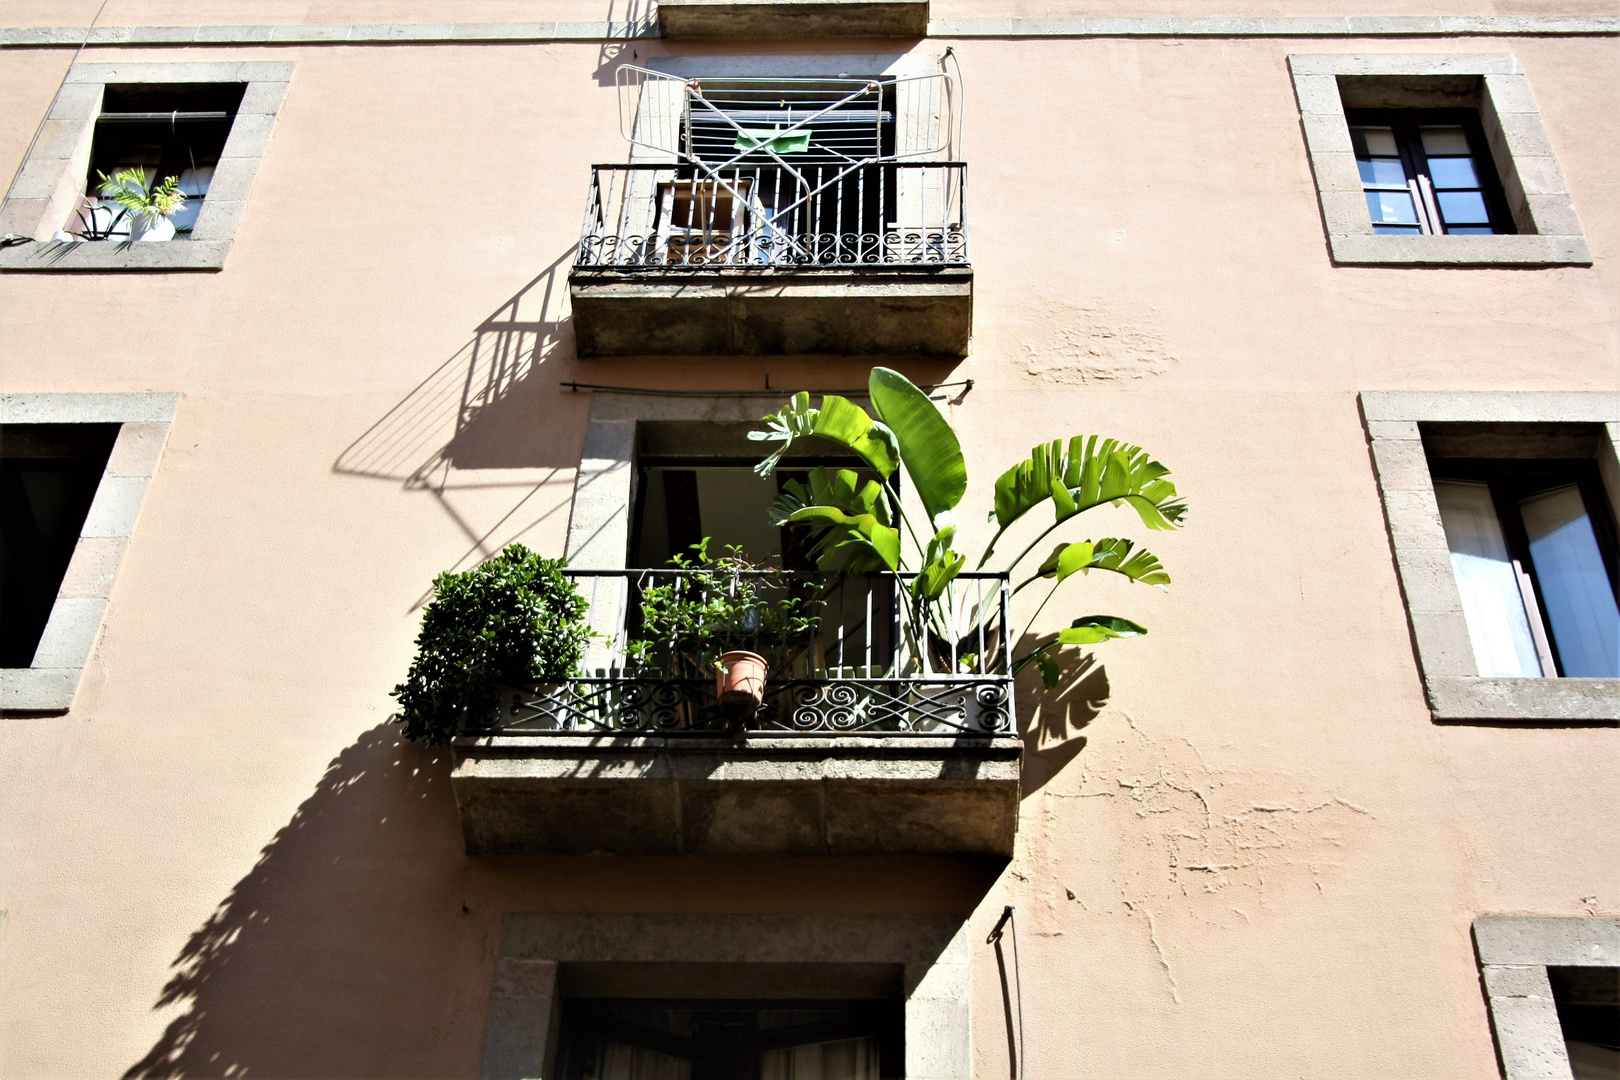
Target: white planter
(143,228)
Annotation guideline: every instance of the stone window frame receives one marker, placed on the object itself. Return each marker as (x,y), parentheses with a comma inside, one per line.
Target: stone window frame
(1445,653)
(1514,953)
(52,178)
(521,1026)
(48,685)
(1549,231)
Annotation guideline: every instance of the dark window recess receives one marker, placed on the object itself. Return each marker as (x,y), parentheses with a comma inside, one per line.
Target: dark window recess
(1428,171)
(164,129)
(1533,546)
(731,1040)
(680,501)
(1588,1002)
(48,477)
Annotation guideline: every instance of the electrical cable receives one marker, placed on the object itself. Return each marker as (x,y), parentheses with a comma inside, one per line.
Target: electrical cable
(1008,916)
(961,103)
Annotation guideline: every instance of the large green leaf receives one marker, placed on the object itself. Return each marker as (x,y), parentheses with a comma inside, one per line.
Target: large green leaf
(940,566)
(1086,630)
(1091,471)
(928,446)
(839,420)
(1090,629)
(1108,553)
(845,515)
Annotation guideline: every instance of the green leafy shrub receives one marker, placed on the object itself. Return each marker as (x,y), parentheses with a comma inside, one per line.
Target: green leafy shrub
(515,620)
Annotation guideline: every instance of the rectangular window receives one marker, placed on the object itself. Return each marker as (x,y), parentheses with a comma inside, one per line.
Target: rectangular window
(164,130)
(48,478)
(1533,548)
(1427,171)
(766,1040)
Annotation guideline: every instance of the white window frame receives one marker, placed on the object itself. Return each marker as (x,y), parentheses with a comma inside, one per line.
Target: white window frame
(1549,233)
(49,684)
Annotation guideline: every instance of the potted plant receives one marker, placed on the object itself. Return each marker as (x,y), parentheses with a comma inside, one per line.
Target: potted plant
(725,616)
(516,620)
(148,208)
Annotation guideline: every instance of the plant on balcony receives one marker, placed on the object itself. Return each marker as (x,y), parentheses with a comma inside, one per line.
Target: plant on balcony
(858,525)
(701,622)
(515,620)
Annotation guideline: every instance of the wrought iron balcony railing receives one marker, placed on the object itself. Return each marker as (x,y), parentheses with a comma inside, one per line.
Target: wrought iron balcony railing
(888,215)
(854,658)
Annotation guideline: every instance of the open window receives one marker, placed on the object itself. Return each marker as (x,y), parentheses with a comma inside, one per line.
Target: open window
(48,478)
(163,130)
(1532,545)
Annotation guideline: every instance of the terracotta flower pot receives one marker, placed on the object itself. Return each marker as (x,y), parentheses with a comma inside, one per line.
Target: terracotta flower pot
(739,683)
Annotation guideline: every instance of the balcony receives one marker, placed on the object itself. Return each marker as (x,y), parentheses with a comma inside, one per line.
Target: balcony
(863,742)
(831,259)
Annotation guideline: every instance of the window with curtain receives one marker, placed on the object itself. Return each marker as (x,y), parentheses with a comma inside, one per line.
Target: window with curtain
(1427,172)
(817,1040)
(1533,548)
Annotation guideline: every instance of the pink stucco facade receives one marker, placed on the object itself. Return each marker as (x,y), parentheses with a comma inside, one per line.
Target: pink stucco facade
(1246,850)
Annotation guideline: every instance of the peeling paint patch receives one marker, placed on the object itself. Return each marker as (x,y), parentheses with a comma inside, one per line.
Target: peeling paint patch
(1074,344)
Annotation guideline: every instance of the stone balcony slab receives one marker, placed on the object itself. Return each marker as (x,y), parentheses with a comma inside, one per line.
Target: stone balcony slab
(766,795)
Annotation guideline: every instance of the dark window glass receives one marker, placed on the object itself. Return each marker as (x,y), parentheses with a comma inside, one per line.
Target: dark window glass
(48,477)
(758,1040)
(1534,552)
(1588,1002)
(1427,171)
(163,129)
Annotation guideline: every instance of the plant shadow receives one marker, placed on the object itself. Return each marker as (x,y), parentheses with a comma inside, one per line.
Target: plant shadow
(1052,720)
(345,942)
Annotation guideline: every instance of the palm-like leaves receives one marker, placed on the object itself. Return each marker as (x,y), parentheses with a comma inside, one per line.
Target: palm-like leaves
(1090,472)
(844,515)
(862,521)
(838,420)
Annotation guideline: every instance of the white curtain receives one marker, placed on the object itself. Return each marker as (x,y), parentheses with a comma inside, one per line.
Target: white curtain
(843,1059)
(618,1061)
(1574,583)
(1488,580)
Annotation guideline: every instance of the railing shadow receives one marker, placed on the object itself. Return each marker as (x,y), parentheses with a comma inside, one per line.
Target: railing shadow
(343,944)
(482,410)
(1051,721)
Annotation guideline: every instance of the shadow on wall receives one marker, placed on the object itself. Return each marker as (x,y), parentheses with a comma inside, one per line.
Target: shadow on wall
(483,409)
(1051,720)
(346,951)
(614,53)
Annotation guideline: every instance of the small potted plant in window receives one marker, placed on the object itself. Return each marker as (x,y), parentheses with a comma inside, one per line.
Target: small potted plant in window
(147,207)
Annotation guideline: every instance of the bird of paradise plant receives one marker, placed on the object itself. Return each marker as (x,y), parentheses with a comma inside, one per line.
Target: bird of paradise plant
(858,523)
